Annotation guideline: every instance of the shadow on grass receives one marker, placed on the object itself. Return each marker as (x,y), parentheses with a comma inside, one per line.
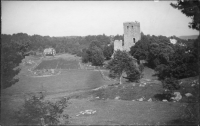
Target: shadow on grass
(190,117)
(163,96)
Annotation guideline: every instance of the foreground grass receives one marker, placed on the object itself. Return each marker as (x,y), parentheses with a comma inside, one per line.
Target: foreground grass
(132,92)
(113,103)
(123,112)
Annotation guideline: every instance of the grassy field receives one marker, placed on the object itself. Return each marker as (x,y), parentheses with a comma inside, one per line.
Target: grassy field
(59,63)
(67,81)
(78,84)
(120,112)
(119,104)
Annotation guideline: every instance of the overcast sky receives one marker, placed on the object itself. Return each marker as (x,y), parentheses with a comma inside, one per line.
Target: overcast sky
(81,18)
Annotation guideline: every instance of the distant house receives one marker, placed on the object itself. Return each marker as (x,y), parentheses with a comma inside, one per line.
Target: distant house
(173,41)
(49,52)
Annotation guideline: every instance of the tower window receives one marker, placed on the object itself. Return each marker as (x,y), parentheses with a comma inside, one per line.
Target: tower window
(132,26)
(133,40)
(127,27)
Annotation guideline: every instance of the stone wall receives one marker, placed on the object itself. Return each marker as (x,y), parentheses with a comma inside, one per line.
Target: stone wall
(118,45)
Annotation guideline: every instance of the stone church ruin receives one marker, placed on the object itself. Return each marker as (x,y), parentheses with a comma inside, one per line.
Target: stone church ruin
(131,36)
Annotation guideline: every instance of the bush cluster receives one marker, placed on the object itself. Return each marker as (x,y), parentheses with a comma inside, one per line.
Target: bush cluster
(169,60)
(36,111)
(97,53)
(171,84)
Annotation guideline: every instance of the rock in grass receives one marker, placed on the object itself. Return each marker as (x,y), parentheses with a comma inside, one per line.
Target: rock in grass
(117,98)
(141,99)
(188,95)
(177,97)
(164,100)
(150,100)
(141,85)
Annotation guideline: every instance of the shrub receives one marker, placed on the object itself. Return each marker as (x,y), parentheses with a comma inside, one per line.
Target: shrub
(162,71)
(36,111)
(133,75)
(171,84)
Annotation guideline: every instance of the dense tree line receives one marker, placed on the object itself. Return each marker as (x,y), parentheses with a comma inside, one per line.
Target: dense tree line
(16,46)
(13,51)
(178,60)
(97,52)
(169,60)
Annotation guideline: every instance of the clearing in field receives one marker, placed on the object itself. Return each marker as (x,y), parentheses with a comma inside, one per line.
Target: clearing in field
(59,63)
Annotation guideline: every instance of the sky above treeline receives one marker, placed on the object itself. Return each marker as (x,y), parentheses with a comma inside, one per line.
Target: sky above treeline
(81,18)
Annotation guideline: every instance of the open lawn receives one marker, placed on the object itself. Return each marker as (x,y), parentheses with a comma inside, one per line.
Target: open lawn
(119,112)
(113,104)
(65,82)
(59,63)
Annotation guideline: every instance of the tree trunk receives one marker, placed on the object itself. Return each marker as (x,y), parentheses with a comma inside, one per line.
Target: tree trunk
(120,79)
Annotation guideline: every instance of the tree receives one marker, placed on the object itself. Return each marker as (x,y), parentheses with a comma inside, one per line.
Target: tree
(97,57)
(181,63)
(93,54)
(108,51)
(94,44)
(85,56)
(191,8)
(14,49)
(123,62)
(37,111)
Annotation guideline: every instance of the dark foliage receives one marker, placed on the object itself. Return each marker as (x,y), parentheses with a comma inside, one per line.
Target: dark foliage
(93,54)
(190,117)
(183,63)
(36,111)
(85,56)
(14,49)
(166,95)
(171,84)
(119,37)
(191,8)
(108,51)
(97,57)
(123,62)
(178,60)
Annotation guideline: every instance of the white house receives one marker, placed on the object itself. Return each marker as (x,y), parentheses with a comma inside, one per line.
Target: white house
(50,51)
(173,41)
